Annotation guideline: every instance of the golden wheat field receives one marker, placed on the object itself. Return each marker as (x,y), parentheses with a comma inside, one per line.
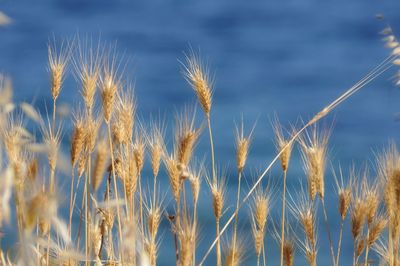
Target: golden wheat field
(84,198)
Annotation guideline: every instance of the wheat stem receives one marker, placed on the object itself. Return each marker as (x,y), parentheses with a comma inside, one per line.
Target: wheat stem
(115,186)
(212,148)
(283,215)
(236,216)
(328,232)
(339,242)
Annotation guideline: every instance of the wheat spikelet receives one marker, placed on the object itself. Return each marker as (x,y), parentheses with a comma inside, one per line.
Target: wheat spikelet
(100,163)
(234,253)
(260,209)
(280,143)
(138,150)
(87,69)
(109,85)
(218,193)
(198,77)
(377,226)
(174,176)
(358,215)
(58,60)
(288,253)
(157,147)
(186,136)
(314,149)
(195,182)
(78,138)
(92,126)
(242,147)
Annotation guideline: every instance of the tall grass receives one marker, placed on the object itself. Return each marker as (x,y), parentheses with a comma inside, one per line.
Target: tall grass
(113,218)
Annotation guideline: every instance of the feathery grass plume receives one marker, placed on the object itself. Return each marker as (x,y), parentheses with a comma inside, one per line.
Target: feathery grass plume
(100,163)
(198,77)
(109,85)
(78,137)
(186,136)
(313,150)
(58,60)
(87,66)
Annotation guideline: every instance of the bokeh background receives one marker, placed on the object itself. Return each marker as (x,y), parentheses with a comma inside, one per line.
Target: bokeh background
(285,57)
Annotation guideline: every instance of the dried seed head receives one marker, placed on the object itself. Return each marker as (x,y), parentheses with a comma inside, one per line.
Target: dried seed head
(218,193)
(139,149)
(126,113)
(81,165)
(198,77)
(100,163)
(358,216)
(78,138)
(242,147)
(157,148)
(87,68)
(344,193)
(376,229)
(344,202)
(174,176)
(234,253)
(314,149)
(153,220)
(92,126)
(288,253)
(371,199)
(194,180)
(52,141)
(109,87)
(389,174)
(58,60)
(186,136)
(258,237)
(95,240)
(260,209)
(282,144)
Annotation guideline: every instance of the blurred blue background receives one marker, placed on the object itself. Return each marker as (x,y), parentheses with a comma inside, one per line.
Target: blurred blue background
(285,57)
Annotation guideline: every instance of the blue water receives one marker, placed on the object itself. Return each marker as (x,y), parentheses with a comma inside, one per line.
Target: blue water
(285,57)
